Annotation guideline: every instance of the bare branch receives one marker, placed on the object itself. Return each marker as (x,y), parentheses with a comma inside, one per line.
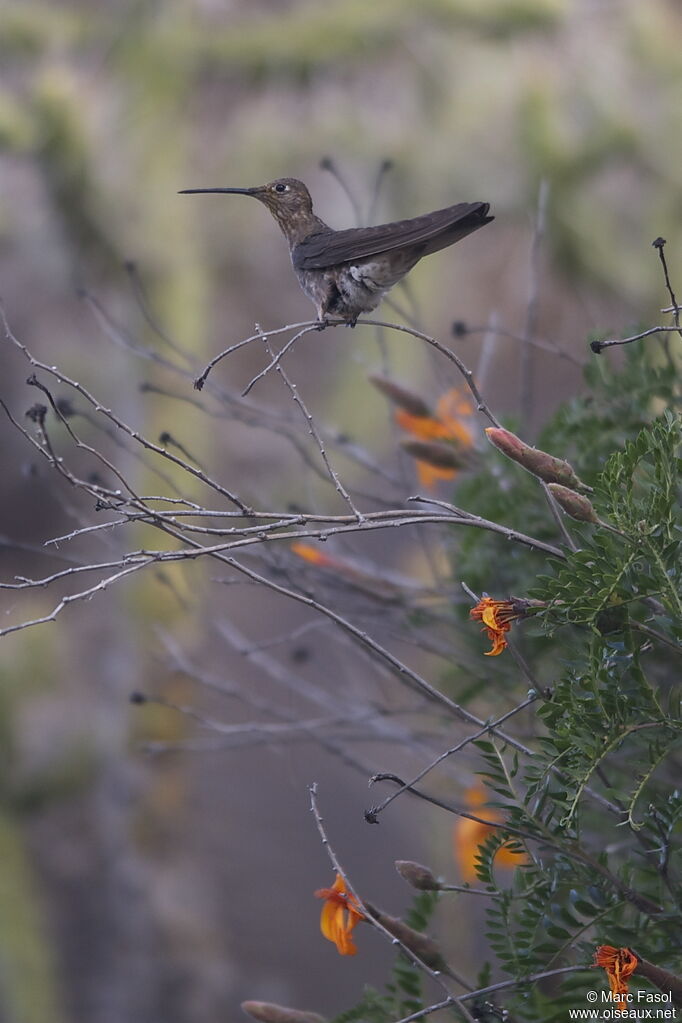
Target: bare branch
(399,327)
(371,918)
(293,390)
(109,414)
(374,812)
(598,346)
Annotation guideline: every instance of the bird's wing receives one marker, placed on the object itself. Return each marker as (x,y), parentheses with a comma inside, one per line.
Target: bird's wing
(433,231)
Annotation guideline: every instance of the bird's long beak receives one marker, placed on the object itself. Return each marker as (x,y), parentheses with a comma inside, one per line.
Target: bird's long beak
(237,191)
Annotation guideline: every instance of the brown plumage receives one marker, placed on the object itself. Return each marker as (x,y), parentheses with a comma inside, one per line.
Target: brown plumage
(346,273)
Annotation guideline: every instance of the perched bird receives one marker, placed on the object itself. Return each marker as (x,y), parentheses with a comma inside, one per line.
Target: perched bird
(346,273)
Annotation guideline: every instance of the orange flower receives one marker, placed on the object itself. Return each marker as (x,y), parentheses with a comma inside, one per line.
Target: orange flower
(312,554)
(452,408)
(468,836)
(340,914)
(497,616)
(619,964)
(445,424)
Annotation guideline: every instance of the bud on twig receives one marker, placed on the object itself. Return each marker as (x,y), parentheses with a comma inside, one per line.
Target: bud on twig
(400,396)
(442,456)
(663,979)
(540,463)
(268,1012)
(421,945)
(418,876)
(575,505)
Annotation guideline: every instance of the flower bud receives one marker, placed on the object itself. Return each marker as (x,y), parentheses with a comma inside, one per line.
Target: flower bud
(540,463)
(418,876)
(400,396)
(575,505)
(421,945)
(663,979)
(442,456)
(268,1012)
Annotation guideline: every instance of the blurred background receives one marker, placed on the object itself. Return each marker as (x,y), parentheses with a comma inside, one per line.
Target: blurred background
(141,883)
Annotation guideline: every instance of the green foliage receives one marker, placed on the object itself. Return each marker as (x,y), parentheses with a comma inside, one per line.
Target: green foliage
(597,807)
(585,431)
(637,495)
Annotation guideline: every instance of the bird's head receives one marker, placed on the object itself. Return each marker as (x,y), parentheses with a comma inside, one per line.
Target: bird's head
(287,198)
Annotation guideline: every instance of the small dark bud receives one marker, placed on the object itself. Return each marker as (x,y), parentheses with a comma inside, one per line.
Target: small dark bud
(268,1012)
(137,698)
(199,383)
(596,347)
(37,413)
(459,328)
(658,243)
(165,437)
(418,876)
(386,165)
(401,396)
(33,381)
(421,945)
(441,456)
(326,163)
(371,816)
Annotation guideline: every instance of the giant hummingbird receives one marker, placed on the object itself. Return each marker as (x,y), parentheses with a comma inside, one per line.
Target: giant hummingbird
(346,273)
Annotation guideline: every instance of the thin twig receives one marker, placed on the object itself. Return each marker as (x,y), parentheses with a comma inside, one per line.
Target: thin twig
(384,167)
(201,379)
(659,245)
(276,359)
(312,428)
(464,329)
(399,327)
(140,296)
(526,367)
(491,726)
(501,986)
(598,346)
(371,918)
(330,165)
(116,420)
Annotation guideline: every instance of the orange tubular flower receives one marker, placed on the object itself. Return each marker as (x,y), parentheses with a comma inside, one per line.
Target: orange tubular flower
(497,616)
(312,554)
(468,835)
(619,964)
(340,914)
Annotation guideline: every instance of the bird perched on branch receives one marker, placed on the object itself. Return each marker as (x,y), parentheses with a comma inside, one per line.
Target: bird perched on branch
(346,273)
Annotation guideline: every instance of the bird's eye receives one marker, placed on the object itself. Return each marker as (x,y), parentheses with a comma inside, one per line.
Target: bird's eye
(281,188)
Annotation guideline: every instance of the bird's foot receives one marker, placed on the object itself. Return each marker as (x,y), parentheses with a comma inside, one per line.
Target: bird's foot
(351,323)
(322,323)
